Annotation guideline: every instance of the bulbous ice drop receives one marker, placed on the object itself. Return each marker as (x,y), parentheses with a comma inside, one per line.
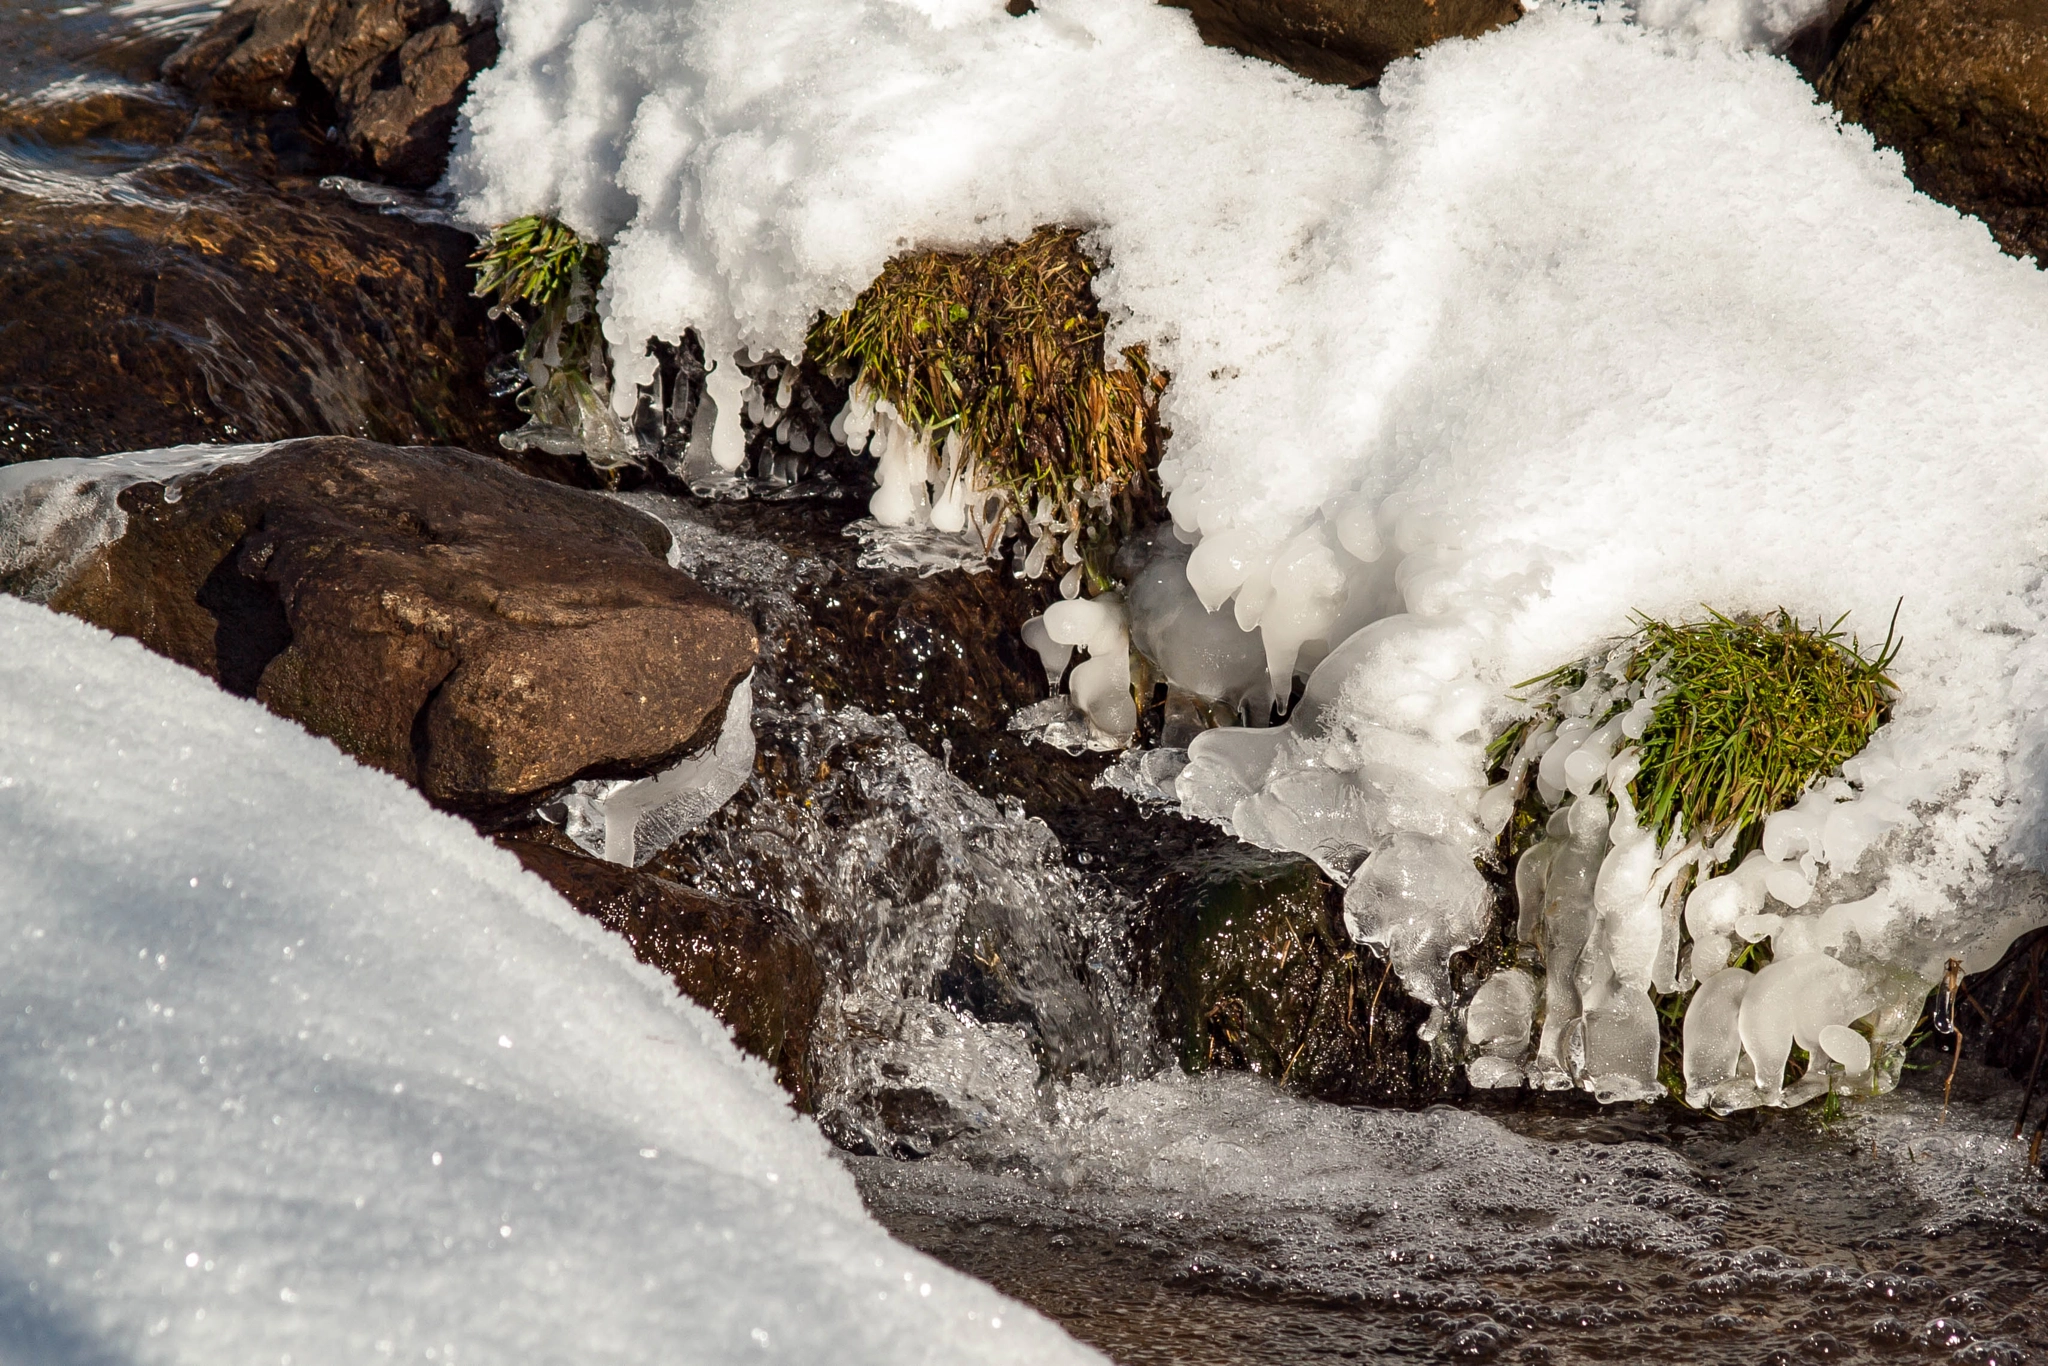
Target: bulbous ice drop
(1587,764)
(1219,564)
(1795,998)
(1846,1047)
(1051,653)
(1566,739)
(1502,1013)
(1421,901)
(1621,1048)
(1712,1041)
(725,386)
(1713,908)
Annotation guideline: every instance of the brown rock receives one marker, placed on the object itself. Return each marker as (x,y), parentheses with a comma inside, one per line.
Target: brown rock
(389,75)
(745,964)
(402,110)
(224,295)
(1960,88)
(1342,42)
(481,634)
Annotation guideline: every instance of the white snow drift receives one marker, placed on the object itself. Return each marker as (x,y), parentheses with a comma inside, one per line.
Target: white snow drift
(1586,317)
(293,1068)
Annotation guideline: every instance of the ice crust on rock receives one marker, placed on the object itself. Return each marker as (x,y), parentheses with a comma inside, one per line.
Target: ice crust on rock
(295,1064)
(629,821)
(1601,313)
(54,513)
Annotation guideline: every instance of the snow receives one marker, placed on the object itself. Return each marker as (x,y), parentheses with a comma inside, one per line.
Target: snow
(299,1070)
(1599,314)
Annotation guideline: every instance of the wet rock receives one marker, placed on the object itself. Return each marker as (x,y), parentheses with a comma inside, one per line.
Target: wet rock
(2004,1010)
(479,633)
(387,75)
(1255,972)
(745,963)
(205,292)
(1960,88)
(1342,42)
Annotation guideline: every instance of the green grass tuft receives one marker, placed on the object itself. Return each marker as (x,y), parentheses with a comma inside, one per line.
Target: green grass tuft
(1006,348)
(534,261)
(1757,708)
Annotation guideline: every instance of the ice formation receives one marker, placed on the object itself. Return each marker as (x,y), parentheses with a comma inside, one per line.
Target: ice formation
(629,821)
(1590,316)
(296,1066)
(54,513)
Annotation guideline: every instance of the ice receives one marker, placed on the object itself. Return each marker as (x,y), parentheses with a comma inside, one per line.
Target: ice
(1790,1001)
(296,1065)
(1420,900)
(1501,1013)
(1557,325)
(1202,651)
(630,821)
(54,513)
(1100,684)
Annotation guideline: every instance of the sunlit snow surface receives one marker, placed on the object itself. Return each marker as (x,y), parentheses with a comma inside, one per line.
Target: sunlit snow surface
(294,1068)
(1580,319)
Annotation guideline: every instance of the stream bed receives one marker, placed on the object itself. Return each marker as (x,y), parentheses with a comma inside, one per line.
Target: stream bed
(993,1069)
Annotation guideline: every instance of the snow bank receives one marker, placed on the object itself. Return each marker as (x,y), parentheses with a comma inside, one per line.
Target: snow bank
(296,1069)
(1582,318)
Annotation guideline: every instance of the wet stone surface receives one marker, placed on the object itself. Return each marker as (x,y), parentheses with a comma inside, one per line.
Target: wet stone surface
(173,273)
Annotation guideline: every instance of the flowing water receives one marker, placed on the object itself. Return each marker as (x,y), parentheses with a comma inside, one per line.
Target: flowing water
(989,1060)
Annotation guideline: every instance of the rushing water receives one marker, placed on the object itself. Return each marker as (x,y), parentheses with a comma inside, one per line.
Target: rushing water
(989,1060)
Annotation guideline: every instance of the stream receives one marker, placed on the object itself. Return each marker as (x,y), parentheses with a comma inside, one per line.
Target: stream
(990,1061)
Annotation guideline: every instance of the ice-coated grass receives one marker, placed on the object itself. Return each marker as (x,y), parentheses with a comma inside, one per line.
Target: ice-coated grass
(1757,709)
(542,273)
(1005,347)
(1751,710)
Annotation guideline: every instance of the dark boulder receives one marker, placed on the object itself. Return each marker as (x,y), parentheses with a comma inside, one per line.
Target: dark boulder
(482,634)
(1342,42)
(387,75)
(746,964)
(1255,972)
(1960,88)
(2003,1010)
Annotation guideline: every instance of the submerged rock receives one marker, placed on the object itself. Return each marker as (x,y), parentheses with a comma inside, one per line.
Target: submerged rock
(388,76)
(745,963)
(1342,42)
(481,634)
(1960,88)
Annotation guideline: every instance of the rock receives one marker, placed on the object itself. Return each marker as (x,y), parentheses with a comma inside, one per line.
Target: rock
(1342,42)
(1960,88)
(2004,1009)
(387,75)
(1254,972)
(746,964)
(481,634)
(221,297)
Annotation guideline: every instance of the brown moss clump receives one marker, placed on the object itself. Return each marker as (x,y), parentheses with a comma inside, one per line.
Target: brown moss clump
(1006,348)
